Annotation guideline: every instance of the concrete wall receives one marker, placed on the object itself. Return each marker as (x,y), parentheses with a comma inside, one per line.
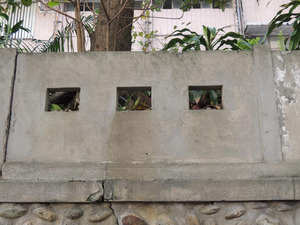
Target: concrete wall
(170,132)
(287,80)
(7,71)
(245,152)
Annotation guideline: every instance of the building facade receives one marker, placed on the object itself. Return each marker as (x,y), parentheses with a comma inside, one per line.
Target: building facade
(249,17)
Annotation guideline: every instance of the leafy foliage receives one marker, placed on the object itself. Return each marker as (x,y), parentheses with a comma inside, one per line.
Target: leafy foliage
(64,101)
(191,41)
(63,41)
(187,4)
(293,41)
(281,40)
(247,44)
(204,99)
(7,29)
(134,100)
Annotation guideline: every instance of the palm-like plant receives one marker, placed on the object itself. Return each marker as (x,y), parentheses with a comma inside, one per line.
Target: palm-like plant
(293,41)
(7,29)
(187,40)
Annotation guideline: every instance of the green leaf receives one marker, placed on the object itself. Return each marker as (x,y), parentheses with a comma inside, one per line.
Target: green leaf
(26,2)
(5,16)
(195,95)
(148,13)
(141,34)
(135,104)
(54,107)
(52,4)
(17,27)
(213,97)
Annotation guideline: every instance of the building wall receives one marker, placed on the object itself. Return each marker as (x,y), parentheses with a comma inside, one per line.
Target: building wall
(261,12)
(255,13)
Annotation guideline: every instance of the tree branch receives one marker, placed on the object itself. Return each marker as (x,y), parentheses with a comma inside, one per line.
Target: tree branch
(145,9)
(58,11)
(121,10)
(104,9)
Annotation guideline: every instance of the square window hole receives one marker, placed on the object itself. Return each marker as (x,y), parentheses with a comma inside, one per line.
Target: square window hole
(205,97)
(133,98)
(62,99)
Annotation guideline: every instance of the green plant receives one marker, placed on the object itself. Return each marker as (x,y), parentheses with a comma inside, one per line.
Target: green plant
(144,39)
(63,40)
(247,44)
(203,99)
(187,4)
(208,40)
(134,100)
(281,40)
(293,41)
(7,28)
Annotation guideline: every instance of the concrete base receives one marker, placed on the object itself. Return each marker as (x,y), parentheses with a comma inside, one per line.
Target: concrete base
(213,213)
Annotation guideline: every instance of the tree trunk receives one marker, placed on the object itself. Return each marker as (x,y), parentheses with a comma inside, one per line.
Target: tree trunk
(106,36)
(79,28)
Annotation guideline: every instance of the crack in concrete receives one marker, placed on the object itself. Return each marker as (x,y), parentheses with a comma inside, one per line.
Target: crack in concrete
(110,206)
(97,196)
(8,119)
(294,189)
(107,191)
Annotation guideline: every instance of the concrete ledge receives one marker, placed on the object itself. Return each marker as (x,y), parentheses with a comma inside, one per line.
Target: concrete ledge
(18,191)
(148,171)
(54,171)
(194,191)
(150,191)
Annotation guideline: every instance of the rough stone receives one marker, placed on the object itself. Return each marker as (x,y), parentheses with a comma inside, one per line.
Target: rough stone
(44,212)
(12,211)
(267,220)
(133,220)
(283,207)
(259,205)
(100,216)
(210,209)
(235,212)
(73,213)
(210,221)
(297,216)
(27,223)
(71,223)
(192,219)
(165,220)
(244,223)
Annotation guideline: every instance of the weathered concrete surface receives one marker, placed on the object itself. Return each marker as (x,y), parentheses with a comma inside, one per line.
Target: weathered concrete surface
(287,80)
(267,111)
(197,190)
(168,133)
(214,213)
(55,191)
(7,69)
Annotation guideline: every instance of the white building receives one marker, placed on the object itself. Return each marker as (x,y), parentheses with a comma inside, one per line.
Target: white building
(249,17)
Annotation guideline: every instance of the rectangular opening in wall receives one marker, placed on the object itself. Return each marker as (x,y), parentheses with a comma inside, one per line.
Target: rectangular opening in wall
(133,98)
(205,97)
(62,99)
